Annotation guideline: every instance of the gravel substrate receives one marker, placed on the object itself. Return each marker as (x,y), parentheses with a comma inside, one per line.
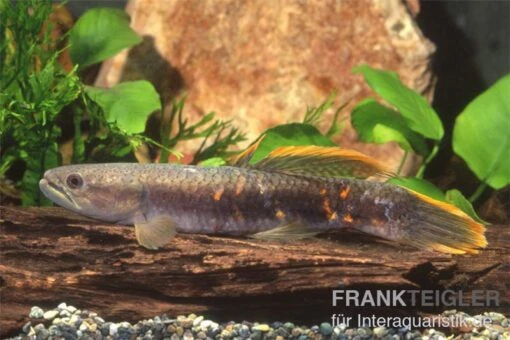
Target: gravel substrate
(68,322)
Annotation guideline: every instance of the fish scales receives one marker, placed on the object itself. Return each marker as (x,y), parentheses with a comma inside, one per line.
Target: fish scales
(211,200)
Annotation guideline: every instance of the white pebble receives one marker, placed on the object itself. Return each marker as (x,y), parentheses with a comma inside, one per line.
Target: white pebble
(74,319)
(188,335)
(63,305)
(99,320)
(113,329)
(198,320)
(64,313)
(51,314)
(36,313)
(84,326)
(206,324)
(71,309)
(125,324)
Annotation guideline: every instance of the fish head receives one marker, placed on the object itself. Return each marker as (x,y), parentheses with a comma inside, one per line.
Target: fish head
(109,192)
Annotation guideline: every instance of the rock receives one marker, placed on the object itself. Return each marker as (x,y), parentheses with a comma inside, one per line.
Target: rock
(113,329)
(325,328)
(380,331)
(264,65)
(244,331)
(187,335)
(296,332)
(185,322)
(256,335)
(261,328)
(64,313)
(36,313)
(27,327)
(71,309)
(50,315)
(288,325)
(197,320)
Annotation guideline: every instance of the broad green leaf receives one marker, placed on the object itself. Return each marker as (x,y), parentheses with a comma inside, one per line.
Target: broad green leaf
(419,115)
(100,33)
(289,135)
(419,185)
(379,124)
(127,104)
(456,198)
(481,135)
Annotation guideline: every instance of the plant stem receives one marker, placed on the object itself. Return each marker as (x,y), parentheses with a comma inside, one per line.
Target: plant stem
(429,158)
(478,192)
(402,162)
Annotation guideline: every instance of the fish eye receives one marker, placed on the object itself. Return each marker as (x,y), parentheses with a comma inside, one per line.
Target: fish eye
(74,181)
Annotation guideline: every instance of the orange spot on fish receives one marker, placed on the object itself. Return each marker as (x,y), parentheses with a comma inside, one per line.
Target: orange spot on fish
(280,214)
(217,194)
(348,218)
(323,192)
(333,217)
(344,193)
(240,185)
(326,206)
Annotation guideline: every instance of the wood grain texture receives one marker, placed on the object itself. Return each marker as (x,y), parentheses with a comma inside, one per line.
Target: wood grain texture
(49,255)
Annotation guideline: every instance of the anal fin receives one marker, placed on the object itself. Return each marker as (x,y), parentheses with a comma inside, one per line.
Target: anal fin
(288,231)
(155,232)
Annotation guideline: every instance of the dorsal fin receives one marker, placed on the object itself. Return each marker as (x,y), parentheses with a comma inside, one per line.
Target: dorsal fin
(243,159)
(321,162)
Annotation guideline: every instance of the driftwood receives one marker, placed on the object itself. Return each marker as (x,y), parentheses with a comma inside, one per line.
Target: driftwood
(49,255)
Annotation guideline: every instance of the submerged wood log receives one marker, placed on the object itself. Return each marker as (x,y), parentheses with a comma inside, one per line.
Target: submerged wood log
(49,255)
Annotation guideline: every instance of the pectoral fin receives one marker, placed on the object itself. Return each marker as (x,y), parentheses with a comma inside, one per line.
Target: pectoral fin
(290,231)
(155,232)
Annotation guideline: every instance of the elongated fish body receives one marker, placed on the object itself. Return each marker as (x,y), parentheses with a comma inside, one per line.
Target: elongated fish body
(163,199)
(237,201)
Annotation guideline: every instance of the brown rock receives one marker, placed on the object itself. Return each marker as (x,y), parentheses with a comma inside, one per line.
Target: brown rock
(263,64)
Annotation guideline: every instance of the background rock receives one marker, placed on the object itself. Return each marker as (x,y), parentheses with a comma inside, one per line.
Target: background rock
(263,65)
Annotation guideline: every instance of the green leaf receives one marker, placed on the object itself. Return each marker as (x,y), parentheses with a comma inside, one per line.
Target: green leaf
(99,34)
(419,185)
(213,162)
(289,135)
(127,104)
(378,124)
(456,198)
(481,135)
(419,115)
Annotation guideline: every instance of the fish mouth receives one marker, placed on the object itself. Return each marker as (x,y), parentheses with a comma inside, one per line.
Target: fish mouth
(55,192)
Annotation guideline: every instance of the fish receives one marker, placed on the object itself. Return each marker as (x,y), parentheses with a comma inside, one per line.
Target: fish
(293,193)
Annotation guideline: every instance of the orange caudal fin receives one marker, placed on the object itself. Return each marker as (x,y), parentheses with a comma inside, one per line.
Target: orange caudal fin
(331,162)
(444,227)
